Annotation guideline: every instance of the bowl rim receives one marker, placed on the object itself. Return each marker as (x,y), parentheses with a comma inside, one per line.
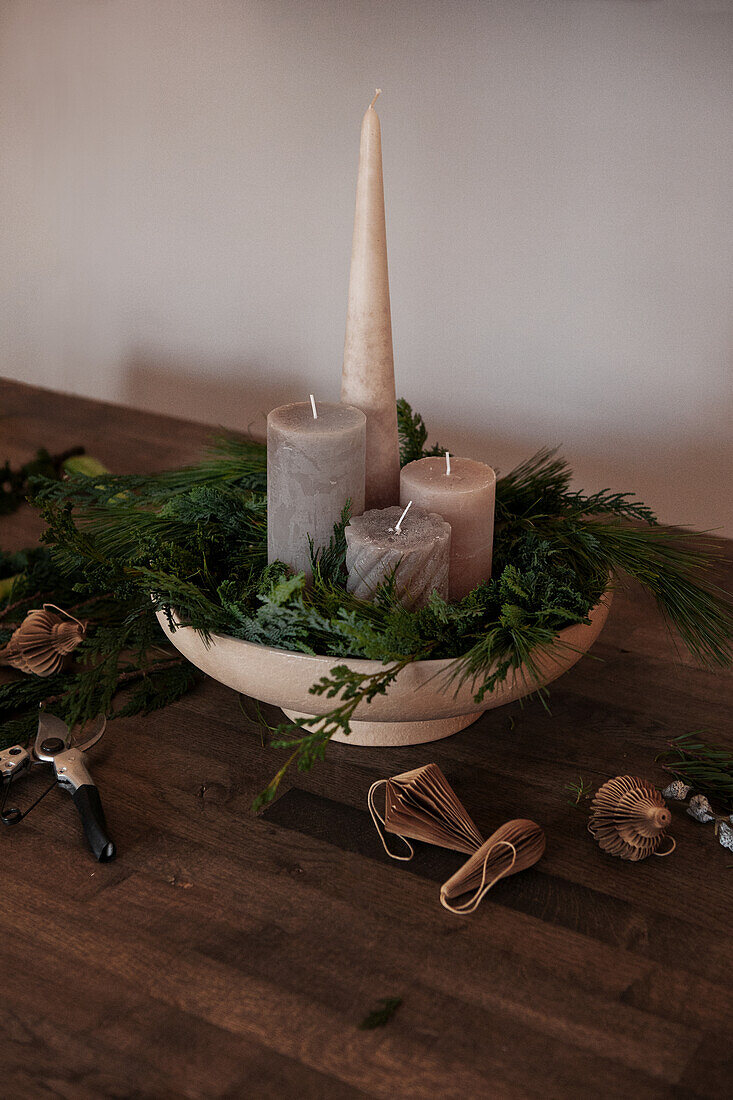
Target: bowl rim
(436,662)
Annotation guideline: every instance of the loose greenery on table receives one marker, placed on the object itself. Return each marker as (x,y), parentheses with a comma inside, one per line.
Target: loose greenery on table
(706,767)
(195,538)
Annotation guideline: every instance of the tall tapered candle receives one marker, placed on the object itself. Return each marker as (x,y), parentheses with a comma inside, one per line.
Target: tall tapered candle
(367,380)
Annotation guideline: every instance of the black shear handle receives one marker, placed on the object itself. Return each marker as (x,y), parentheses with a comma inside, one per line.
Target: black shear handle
(89,804)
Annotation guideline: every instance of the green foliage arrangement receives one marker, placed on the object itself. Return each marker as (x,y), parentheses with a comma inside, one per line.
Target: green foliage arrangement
(195,540)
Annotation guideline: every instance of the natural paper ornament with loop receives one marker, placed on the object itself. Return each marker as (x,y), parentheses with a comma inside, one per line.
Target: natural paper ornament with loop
(514,847)
(43,641)
(630,819)
(422,805)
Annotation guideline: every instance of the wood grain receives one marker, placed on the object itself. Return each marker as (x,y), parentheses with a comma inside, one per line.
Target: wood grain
(224,955)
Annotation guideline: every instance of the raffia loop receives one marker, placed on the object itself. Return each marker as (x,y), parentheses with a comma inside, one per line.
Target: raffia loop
(469,906)
(379,822)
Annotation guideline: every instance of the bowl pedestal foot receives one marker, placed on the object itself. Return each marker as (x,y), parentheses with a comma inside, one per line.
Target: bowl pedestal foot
(397,733)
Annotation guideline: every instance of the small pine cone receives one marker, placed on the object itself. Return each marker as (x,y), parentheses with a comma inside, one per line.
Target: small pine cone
(700,809)
(677,791)
(725,835)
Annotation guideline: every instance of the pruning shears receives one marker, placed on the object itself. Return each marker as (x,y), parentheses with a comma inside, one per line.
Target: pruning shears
(64,750)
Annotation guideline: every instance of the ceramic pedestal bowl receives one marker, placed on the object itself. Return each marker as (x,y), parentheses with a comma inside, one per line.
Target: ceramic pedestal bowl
(419,706)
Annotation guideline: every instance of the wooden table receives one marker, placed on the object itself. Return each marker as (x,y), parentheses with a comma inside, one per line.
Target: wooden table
(227,955)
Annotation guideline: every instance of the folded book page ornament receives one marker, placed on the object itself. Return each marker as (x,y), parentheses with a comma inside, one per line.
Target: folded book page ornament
(422,805)
(514,847)
(629,819)
(42,643)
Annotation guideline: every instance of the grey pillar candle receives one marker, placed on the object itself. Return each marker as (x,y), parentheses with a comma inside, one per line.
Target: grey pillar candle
(314,465)
(462,491)
(417,551)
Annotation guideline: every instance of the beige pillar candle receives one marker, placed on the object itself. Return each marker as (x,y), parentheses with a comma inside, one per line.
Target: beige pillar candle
(463,492)
(412,544)
(315,463)
(367,379)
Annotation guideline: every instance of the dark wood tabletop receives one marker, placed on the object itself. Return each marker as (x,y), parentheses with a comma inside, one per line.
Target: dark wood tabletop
(226,955)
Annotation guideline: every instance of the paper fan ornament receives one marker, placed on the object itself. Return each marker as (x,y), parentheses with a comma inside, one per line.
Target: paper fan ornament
(43,641)
(422,805)
(630,818)
(514,847)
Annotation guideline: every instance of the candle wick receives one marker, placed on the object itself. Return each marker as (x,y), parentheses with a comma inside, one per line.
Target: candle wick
(399,521)
(447,463)
(313,406)
(377,94)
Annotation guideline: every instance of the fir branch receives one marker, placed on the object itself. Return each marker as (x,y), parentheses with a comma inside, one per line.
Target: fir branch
(670,564)
(231,462)
(328,563)
(701,765)
(541,481)
(413,435)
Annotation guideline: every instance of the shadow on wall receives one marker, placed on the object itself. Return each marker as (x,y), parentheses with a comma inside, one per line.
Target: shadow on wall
(231,395)
(665,470)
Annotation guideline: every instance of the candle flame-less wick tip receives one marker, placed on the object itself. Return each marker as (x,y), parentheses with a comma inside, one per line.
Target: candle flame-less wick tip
(313,406)
(398,524)
(377,93)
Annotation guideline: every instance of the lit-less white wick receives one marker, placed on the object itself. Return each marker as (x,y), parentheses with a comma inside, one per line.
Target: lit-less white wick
(313,406)
(399,521)
(447,464)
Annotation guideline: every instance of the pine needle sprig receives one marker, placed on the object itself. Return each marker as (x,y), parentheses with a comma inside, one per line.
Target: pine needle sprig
(234,462)
(705,767)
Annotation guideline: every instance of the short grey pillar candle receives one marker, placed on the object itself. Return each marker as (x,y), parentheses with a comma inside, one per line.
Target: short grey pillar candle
(315,464)
(417,551)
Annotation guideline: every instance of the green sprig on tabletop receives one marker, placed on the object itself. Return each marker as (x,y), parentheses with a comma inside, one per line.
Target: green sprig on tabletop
(195,539)
(705,767)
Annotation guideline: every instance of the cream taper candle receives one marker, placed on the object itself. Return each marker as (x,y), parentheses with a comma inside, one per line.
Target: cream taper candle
(462,491)
(315,463)
(367,379)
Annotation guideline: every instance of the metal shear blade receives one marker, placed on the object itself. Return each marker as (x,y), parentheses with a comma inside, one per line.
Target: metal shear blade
(55,737)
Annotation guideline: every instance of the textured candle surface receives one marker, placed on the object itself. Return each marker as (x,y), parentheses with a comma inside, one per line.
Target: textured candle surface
(417,554)
(367,379)
(314,465)
(465,498)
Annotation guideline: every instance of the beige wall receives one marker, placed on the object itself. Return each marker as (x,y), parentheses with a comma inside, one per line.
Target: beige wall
(178,181)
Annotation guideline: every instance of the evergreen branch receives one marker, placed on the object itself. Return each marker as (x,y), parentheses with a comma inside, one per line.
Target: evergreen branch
(703,766)
(308,737)
(413,435)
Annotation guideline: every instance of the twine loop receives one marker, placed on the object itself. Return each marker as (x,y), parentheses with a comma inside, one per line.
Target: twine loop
(379,820)
(483,888)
